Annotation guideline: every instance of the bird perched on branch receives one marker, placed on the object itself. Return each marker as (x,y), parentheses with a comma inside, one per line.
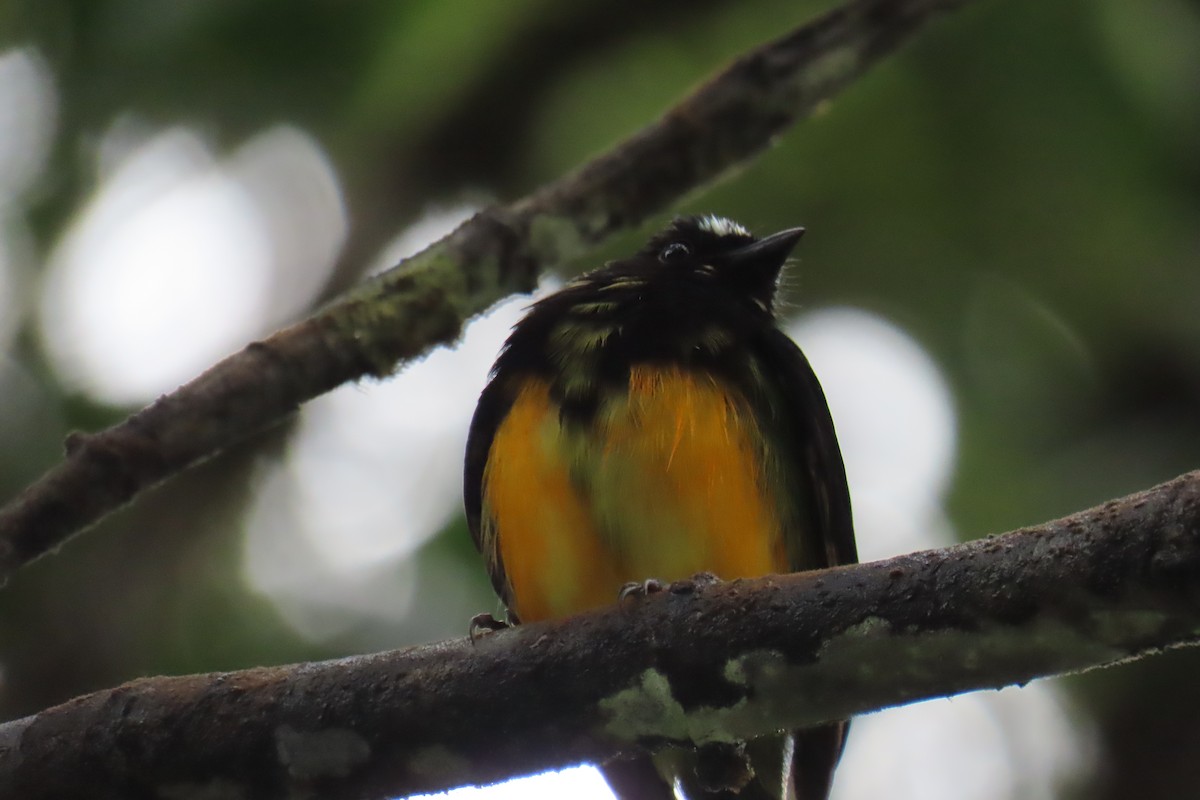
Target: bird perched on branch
(651,420)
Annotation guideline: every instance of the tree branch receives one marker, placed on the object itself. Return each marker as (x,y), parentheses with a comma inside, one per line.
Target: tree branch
(696,664)
(424,301)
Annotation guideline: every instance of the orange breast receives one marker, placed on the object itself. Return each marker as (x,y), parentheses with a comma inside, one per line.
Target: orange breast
(667,481)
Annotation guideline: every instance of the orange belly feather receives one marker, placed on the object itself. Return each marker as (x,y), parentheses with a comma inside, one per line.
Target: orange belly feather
(666,482)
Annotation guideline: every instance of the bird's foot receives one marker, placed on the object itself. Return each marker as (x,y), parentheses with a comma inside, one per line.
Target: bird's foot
(483,625)
(654,586)
(638,589)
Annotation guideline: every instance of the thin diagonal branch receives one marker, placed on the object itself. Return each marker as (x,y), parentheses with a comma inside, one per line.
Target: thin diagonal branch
(425,301)
(715,663)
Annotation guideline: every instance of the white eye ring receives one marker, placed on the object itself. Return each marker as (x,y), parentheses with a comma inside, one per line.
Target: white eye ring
(674,253)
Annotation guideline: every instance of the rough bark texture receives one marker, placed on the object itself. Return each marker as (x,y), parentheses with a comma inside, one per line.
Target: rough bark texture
(698,664)
(424,302)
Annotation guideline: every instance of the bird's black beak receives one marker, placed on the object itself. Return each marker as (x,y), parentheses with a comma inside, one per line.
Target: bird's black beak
(767,253)
(754,269)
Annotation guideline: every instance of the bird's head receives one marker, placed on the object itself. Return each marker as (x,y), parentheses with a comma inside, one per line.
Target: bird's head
(722,251)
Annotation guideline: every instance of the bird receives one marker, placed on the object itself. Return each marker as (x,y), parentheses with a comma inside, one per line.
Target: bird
(651,421)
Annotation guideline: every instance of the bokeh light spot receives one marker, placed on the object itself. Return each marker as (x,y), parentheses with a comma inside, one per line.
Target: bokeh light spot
(578,783)
(163,273)
(1014,744)
(181,257)
(28,110)
(895,420)
(28,106)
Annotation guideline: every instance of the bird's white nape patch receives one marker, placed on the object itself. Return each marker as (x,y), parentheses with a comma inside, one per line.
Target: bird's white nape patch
(720,226)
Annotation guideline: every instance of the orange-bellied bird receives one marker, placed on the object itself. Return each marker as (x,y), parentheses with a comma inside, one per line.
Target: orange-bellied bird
(651,421)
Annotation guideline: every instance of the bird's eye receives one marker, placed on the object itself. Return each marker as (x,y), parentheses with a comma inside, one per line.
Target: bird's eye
(674,253)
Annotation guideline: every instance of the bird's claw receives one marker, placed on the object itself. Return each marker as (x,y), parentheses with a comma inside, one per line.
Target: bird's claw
(640,589)
(484,624)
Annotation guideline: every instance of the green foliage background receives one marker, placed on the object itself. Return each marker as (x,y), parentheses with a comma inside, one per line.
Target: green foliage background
(1020,190)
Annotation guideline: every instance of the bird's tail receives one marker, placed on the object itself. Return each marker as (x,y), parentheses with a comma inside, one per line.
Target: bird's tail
(798,766)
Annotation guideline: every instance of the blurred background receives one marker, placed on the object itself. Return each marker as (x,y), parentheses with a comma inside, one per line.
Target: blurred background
(999,289)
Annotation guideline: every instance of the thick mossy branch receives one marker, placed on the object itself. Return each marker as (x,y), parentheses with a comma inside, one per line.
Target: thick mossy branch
(425,301)
(693,664)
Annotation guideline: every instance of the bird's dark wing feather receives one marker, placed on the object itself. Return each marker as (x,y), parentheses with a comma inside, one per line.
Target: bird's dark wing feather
(494,405)
(805,430)
(811,443)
